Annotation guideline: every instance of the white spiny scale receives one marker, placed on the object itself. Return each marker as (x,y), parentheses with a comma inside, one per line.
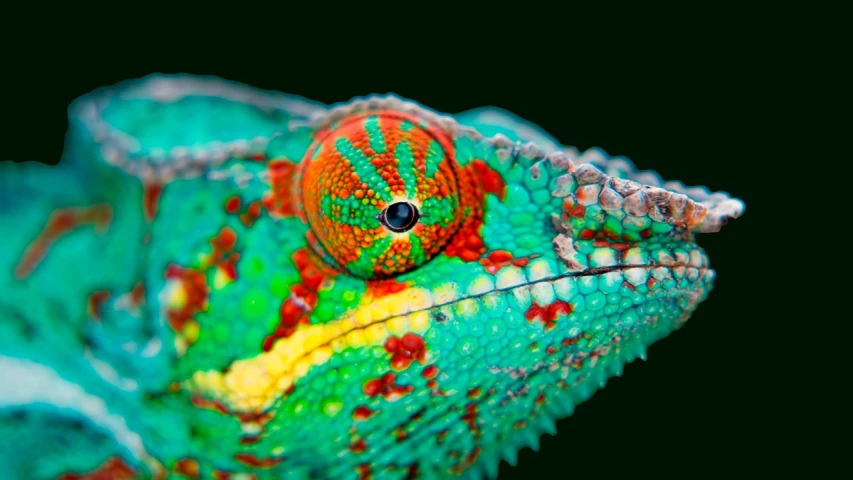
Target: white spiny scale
(602,376)
(510,454)
(546,424)
(566,403)
(490,465)
(531,437)
(629,351)
(553,409)
(583,391)
(617,366)
(638,350)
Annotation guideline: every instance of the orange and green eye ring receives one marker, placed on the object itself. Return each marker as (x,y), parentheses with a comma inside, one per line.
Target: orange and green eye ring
(381,192)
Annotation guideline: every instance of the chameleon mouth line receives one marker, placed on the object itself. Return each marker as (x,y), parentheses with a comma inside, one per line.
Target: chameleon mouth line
(267,400)
(586,273)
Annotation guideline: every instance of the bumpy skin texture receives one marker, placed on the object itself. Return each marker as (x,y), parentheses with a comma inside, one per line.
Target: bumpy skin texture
(204,286)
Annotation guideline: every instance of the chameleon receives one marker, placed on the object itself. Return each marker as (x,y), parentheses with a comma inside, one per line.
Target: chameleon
(218,281)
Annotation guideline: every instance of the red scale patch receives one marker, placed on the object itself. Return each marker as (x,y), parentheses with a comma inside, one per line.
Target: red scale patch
(405,350)
(358,446)
(470,418)
(201,402)
(491,181)
(253,461)
(113,469)
(295,310)
(232,205)
(475,181)
(386,387)
(499,259)
(362,413)
(364,472)
(194,280)
(196,290)
(96,303)
(381,288)
(577,211)
(252,213)
(279,200)
(151,199)
(548,314)
(60,223)
(187,467)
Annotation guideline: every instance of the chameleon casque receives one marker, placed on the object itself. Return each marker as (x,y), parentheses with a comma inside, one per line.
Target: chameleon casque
(223,282)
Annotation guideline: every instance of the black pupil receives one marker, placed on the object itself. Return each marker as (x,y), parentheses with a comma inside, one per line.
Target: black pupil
(400,216)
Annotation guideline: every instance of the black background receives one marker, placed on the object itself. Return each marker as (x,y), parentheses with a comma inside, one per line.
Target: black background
(694,108)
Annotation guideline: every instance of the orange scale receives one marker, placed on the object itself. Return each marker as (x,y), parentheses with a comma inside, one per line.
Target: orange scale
(401,247)
(375,233)
(390,127)
(356,136)
(420,156)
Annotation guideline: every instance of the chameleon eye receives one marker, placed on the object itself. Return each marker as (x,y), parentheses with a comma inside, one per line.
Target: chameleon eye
(399,217)
(381,193)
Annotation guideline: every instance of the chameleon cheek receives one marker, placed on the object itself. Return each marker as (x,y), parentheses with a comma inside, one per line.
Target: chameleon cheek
(380,191)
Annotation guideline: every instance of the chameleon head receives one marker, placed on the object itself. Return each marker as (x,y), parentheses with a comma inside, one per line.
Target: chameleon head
(385,292)
(381,193)
(438,283)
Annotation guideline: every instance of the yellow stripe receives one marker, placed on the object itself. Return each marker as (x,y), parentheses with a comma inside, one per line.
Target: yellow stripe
(253,384)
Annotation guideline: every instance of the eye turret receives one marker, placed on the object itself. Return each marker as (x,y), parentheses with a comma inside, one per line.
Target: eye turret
(381,193)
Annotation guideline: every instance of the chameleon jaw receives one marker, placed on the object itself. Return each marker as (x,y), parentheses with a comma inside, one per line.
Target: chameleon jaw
(254,385)
(557,277)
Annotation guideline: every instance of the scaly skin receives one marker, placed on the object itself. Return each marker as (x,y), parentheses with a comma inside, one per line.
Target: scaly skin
(205,286)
